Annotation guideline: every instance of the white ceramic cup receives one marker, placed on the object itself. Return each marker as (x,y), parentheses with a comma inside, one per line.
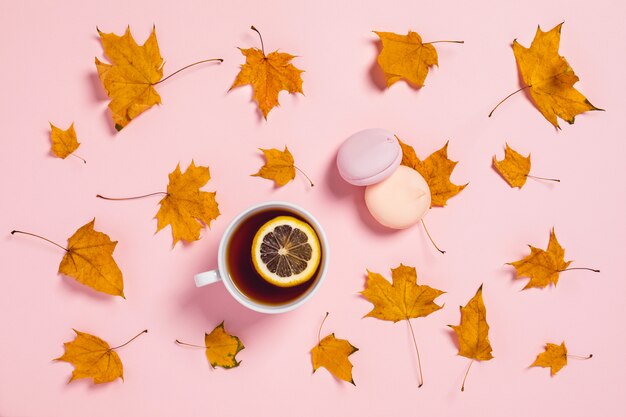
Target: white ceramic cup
(223,274)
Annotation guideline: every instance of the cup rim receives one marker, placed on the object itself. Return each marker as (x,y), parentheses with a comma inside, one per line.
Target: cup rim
(223,270)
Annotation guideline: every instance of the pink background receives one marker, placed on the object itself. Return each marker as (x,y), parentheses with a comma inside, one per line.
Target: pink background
(48,74)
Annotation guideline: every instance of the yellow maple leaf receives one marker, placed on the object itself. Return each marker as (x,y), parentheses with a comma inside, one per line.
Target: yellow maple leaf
(222,348)
(268,75)
(542,266)
(332,353)
(554,357)
(514,168)
(64,142)
(549,78)
(405,57)
(279,166)
(93,358)
(185,208)
(436,170)
(473,331)
(402,299)
(89,260)
(130,78)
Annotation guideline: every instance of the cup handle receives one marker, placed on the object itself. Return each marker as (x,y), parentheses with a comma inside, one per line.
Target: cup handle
(206,278)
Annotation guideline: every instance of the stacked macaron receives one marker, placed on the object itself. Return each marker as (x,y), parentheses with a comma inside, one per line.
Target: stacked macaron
(396,196)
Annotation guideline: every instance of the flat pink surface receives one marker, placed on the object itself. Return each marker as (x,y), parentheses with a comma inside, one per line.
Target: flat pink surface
(48,74)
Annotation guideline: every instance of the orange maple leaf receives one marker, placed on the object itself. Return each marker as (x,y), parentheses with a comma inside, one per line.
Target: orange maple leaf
(89,259)
(93,358)
(220,347)
(268,75)
(130,78)
(473,332)
(436,170)
(332,353)
(64,142)
(185,208)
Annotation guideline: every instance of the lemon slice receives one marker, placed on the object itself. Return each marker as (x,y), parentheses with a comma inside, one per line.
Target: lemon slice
(286,251)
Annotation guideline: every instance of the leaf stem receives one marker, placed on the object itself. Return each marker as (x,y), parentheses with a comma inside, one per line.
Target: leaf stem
(136,336)
(431,239)
(586,269)
(543,178)
(257,31)
(188,66)
(40,237)
(307,177)
(428,43)
(178,342)
(583,358)
(130,198)
(419,363)
(79,157)
(465,377)
(505,98)
(319,332)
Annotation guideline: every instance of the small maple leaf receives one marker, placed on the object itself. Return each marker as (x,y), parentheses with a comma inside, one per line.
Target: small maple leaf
(514,168)
(185,208)
(89,260)
(542,266)
(554,357)
(93,358)
(403,299)
(268,75)
(64,142)
(222,348)
(405,57)
(473,331)
(436,170)
(130,78)
(549,78)
(279,167)
(332,353)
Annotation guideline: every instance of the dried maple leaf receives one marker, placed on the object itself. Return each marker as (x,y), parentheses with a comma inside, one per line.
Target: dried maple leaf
(436,170)
(332,353)
(64,142)
(89,260)
(514,168)
(403,299)
(93,358)
(473,331)
(130,78)
(542,266)
(549,78)
(268,75)
(185,208)
(405,57)
(279,167)
(554,357)
(222,348)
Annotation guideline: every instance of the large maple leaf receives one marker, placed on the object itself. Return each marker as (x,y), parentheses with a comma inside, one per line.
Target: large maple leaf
(130,78)
(436,170)
(549,77)
(93,358)
(185,208)
(403,299)
(268,75)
